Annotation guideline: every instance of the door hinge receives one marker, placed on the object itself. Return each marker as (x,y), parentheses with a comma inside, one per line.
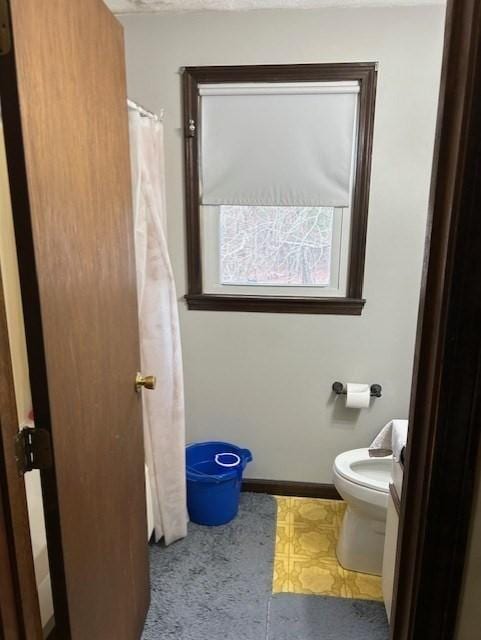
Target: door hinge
(33,449)
(191,129)
(5,34)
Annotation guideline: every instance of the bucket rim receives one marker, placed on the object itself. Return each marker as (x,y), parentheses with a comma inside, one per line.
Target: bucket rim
(228,473)
(211,442)
(244,452)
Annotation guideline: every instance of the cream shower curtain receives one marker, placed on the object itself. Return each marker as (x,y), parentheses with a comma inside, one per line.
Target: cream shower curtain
(164,428)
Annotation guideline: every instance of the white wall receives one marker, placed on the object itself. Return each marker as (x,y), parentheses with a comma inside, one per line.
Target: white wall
(263,380)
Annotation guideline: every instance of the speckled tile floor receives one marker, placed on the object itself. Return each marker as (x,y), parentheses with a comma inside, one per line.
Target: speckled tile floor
(217,583)
(305,555)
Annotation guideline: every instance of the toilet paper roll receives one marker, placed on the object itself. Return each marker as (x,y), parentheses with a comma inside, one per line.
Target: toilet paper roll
(358,395)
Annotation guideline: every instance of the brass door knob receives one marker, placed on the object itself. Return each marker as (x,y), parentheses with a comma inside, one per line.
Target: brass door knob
(148,382)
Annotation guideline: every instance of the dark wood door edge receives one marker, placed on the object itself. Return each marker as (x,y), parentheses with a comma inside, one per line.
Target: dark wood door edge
(53,635)
(288,488)
(437,500)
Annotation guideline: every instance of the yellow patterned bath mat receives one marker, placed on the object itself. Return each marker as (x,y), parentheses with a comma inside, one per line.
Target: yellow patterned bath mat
(305,556)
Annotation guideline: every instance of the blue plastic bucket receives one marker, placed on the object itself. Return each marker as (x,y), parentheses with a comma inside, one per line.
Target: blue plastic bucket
(214,478)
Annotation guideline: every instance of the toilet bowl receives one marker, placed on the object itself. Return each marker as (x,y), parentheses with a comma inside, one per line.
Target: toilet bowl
(363,482)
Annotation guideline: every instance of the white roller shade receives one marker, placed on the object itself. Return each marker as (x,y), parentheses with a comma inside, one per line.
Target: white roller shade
(278,145)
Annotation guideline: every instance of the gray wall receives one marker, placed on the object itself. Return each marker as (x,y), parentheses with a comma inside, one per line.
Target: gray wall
(264,380)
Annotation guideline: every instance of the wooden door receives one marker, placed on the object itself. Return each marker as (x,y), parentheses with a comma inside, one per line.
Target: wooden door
(63,95)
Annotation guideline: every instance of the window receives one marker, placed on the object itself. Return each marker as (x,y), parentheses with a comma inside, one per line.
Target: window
(280,246)
(277,182)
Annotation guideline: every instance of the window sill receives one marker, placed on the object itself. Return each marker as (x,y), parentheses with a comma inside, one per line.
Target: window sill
(259,304)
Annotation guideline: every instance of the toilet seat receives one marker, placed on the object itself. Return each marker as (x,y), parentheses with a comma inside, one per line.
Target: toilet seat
(356,466)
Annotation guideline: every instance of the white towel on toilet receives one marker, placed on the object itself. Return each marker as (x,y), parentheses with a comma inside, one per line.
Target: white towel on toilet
(390,440)
(399,437)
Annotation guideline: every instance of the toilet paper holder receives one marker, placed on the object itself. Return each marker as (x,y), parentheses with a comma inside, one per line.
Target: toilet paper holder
(340,389)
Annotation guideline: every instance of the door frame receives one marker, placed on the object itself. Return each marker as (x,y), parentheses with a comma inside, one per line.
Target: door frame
(438,491)
(19,195)
(19,606)
(437,500)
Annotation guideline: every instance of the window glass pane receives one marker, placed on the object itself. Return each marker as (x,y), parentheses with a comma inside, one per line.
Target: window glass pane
(284,246)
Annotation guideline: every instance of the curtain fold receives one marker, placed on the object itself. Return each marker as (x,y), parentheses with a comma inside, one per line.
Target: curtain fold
(161,355)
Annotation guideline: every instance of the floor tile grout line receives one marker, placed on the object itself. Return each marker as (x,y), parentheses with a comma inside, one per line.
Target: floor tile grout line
(268,617)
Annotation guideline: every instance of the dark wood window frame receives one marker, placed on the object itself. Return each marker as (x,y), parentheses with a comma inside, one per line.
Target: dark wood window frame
(352,304)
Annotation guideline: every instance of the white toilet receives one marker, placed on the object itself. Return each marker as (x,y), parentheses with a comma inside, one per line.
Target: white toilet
(363,483)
